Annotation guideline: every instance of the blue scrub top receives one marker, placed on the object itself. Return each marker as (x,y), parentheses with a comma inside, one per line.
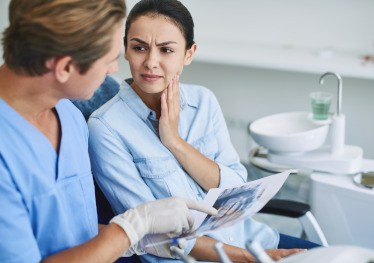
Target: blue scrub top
(47,200)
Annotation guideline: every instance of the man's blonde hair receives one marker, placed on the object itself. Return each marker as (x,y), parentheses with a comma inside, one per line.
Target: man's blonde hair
(43,29)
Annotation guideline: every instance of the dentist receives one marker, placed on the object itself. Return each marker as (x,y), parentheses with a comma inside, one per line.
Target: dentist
(54,51)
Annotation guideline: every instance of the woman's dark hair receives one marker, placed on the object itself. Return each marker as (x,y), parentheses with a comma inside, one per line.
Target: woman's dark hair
(172,9)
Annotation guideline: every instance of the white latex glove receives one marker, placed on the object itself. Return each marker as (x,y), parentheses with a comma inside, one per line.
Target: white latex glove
(164,216)
(145,246)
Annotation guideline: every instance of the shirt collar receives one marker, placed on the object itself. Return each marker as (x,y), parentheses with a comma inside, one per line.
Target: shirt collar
(129,96)
(132,99)
(183,98)
(188,96)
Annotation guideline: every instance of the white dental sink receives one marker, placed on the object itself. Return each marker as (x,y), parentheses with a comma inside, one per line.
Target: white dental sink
(289,132)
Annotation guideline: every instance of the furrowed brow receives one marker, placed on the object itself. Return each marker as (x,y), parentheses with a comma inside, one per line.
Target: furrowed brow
(139,41)
(158,44)
(165,43)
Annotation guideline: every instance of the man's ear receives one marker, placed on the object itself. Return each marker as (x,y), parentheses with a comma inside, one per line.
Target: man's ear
(189,55)
(61,67)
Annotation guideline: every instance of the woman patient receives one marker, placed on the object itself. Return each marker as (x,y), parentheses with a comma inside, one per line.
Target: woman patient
(159,138)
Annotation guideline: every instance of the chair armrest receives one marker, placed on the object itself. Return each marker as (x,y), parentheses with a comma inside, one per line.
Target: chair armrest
(287,208)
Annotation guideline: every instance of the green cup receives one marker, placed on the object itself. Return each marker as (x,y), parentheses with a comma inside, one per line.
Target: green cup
(321,102)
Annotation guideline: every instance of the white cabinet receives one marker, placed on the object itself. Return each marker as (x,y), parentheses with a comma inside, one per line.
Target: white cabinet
(301,36)
(286,57)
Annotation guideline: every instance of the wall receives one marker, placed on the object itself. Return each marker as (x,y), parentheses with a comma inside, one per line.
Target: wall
(247,93)
(343,24)
(3,20)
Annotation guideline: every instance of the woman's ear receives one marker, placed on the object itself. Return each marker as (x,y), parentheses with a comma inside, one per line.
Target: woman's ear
(189,55)
(61,67)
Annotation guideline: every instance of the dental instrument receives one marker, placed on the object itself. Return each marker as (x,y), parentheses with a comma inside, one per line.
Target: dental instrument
(258,252)
(184,257)
(221,253)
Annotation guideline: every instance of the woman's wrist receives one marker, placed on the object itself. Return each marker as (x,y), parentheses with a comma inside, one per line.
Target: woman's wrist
(175,145)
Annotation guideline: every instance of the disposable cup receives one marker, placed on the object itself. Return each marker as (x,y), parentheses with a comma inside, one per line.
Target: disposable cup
(321,102)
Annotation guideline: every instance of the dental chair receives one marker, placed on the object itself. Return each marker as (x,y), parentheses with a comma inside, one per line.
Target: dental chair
(301,211)
(287,208)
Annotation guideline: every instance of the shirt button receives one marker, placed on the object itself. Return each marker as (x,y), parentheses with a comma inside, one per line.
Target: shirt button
(231,238)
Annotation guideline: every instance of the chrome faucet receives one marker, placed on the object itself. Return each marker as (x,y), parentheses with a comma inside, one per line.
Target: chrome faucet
(340,89)
(337,129)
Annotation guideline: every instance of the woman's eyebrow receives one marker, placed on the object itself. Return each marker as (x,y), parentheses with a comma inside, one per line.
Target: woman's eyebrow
(166,43)
(157,44)
(139,41)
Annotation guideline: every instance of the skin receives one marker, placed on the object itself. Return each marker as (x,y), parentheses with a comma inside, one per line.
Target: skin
(34,98)
(156,52)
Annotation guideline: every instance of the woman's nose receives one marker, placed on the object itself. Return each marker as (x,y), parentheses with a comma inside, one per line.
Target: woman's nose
(151,60)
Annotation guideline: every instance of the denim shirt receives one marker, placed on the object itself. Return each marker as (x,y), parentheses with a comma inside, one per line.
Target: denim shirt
(132,166)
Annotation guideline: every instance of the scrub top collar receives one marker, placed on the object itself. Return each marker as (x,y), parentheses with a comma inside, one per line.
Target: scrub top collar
(36,135)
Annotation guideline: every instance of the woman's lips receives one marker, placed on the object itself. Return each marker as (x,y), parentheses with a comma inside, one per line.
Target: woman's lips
(149,77)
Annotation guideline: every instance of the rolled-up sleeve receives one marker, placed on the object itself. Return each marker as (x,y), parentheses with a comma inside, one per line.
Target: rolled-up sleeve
(232,172)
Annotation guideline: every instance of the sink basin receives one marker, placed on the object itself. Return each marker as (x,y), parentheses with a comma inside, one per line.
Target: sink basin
(288,132)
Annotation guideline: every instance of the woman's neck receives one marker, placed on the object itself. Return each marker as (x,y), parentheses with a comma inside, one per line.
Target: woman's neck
(153,101)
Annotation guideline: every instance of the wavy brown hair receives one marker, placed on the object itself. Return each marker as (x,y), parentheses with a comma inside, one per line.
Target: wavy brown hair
(42,29)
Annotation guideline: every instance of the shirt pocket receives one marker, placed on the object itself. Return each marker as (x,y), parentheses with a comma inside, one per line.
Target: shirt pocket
(158,174)
(67,207)
(156,168)
(165,178)
(207,145)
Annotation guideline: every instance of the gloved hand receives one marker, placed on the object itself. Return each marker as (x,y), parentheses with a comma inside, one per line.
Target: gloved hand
(149,244)
(164,216)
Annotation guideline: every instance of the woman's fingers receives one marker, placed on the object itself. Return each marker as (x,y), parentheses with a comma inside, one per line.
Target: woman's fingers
(176,94)
(170,108)
(173,100)
(170,89)
(164,104)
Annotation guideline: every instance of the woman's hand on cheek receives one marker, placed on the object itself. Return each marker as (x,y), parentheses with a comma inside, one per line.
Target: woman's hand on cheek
(170,107)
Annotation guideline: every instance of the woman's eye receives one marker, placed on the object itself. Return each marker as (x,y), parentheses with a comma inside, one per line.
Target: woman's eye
(167,50)
(138,48)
